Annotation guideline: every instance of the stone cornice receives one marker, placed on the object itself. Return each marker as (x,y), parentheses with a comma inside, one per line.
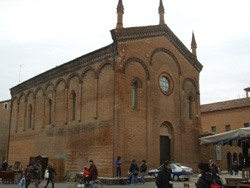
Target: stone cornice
(137,33)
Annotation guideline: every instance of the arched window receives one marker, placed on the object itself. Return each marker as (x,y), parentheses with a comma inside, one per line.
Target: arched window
(136,84)
(73,106)
(135,95)
(190,107)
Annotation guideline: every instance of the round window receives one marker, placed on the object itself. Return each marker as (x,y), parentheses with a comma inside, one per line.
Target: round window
(165,83)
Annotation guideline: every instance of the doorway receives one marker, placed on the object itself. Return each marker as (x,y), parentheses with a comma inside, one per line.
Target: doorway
(165,149)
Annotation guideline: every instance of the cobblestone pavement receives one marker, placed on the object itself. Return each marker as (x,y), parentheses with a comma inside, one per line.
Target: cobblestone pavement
(177,184)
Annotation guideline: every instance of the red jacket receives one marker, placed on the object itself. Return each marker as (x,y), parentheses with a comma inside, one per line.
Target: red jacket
(85,174)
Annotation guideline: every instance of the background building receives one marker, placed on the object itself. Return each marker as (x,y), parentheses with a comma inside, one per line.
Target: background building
(137,98)
(4,128)
(221,117)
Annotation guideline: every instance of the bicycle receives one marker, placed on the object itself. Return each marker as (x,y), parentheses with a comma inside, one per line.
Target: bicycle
(82,184)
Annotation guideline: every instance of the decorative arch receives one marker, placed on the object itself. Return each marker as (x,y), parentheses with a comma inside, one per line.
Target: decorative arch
(192,81)
(102,66)
(71,76)
(166,129)
(167,52)
(20,96)
(59,81)
(87,70)
(138,80)
(29,93)
(135,59)
(48,85)
(39,89)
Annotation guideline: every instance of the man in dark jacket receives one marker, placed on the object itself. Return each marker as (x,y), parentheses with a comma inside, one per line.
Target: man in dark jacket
(163,180)
(93,173)
(134,171)
(143,170)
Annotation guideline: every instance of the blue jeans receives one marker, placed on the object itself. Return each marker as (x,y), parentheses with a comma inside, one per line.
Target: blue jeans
(91,183)
(142,177)
(134,179)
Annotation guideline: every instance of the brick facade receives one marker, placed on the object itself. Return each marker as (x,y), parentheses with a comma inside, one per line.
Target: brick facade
(109,103)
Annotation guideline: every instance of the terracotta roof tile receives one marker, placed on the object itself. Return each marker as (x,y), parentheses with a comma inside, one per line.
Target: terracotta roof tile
(224,105)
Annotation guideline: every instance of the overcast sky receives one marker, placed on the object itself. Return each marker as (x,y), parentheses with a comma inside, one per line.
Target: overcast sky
(37,35)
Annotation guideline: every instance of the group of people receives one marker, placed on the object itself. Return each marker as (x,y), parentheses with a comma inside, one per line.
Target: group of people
(133,171)
(35,173)
(208,173)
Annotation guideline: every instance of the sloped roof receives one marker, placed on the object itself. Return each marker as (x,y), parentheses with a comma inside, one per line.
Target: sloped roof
(231,104)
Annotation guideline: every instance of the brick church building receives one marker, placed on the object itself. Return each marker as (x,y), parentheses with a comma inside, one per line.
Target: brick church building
(137,98)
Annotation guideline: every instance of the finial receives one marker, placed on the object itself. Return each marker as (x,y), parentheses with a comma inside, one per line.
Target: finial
(161,13)
(193,45)
(120,12)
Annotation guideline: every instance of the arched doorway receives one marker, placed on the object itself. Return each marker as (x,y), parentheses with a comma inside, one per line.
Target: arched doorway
(165,142)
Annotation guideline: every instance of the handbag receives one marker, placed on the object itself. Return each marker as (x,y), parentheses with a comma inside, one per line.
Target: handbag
(21,182)
(46,174)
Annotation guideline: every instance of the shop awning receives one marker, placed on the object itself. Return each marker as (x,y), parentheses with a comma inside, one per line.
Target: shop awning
(227,137)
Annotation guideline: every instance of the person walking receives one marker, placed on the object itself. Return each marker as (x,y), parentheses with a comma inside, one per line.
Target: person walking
(134,170)
(52,174)
(93,173)
(37,173)
(143,169)
(118,167)
(28,175)
(163,179)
